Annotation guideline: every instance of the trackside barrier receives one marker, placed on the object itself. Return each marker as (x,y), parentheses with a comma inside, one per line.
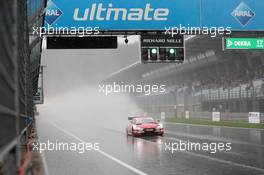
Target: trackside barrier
(8,154)
(251,117)
(25,167)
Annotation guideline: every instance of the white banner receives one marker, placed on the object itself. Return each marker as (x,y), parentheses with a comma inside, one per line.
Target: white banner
(187,114)
(216,116)
(162,116)
(254,117)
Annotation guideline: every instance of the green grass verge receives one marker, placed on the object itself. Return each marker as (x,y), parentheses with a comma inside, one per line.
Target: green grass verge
(221,123)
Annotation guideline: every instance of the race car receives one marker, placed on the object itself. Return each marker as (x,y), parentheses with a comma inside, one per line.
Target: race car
(143,126)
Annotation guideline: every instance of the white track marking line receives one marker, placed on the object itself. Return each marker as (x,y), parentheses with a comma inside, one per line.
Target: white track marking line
(44,160)
(43,157)
(208,157)
(137,171)
(224,152)
(216,159)
(208,137)
(171,138)
(225,161)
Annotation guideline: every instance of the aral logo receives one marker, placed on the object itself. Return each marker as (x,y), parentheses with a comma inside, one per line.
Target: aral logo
(52,13)
(243,14)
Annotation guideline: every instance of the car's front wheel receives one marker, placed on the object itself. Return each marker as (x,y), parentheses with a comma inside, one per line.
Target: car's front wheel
(133,134)
(126,132)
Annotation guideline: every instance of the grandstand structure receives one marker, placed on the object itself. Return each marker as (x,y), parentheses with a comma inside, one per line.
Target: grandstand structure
(210,79)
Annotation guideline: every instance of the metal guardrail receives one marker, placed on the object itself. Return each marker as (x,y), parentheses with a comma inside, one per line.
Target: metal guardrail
(243,117)
(17,59)
(225,116)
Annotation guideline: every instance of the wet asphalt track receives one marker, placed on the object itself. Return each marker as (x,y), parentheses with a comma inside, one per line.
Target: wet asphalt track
(122,155)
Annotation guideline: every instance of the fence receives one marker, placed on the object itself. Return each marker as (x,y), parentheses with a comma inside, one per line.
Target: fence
(16,79)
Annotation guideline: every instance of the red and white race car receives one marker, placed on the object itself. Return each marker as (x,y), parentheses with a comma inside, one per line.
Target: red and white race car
(140,126)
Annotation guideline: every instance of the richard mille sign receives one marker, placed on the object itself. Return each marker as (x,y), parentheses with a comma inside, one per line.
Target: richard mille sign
(162,40)
(160,48)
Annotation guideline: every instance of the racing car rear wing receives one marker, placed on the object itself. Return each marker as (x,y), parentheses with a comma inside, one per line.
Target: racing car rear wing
(130,118)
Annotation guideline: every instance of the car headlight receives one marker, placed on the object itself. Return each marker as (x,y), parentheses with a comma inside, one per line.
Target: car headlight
(159,126)
(137,128)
